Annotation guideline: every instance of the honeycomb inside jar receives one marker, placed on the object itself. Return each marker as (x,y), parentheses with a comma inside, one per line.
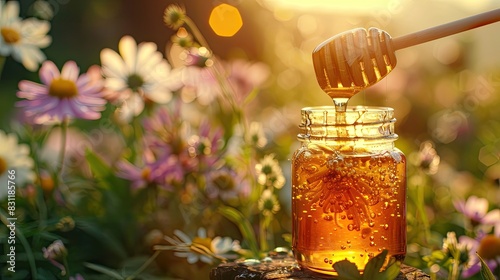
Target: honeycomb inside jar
(347,205)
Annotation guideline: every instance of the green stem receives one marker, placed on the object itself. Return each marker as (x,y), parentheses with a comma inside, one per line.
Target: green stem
(40,201)
(217,68)
(196,32)
(421,211)
(266,240)
(66,267)
(264,247)
(2,64)
(62,154)
(137,127)
(454,273)
(144,266)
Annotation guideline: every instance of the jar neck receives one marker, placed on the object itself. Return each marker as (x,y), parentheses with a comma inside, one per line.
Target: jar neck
(358,127)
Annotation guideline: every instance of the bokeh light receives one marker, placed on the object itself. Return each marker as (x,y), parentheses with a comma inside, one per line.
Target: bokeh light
(225,20)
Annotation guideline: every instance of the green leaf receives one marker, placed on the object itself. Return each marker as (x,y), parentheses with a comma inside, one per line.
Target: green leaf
(347,270)
(101,171)
(105,270)
(485,272)
(391,272)
(99,167)
(287,237)
(106,240)
(244,225)
(251,96)
(373,267)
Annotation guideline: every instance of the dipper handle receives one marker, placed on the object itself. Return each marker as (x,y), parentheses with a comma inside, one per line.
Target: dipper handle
(446,29)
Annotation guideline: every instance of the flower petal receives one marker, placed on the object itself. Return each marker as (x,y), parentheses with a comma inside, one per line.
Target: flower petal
(128,50)
(113,64)
(70,71)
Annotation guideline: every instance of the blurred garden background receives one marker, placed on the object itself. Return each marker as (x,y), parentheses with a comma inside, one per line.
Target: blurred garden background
(446,95)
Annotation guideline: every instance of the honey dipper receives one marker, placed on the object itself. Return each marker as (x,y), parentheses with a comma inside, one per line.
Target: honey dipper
(356,59)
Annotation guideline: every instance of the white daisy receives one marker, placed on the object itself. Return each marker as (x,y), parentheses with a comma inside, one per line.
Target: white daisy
(255,135)
(268,203)
(223,246)
(15,157)
(20,38)
(185,243)
(269,172)
(202,248)
(137,70)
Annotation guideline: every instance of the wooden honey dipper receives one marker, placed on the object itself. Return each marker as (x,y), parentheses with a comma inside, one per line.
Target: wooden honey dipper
(356,59)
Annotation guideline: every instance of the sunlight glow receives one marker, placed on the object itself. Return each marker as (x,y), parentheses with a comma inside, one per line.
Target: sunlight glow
(225,20)
(358,6)
(332,5)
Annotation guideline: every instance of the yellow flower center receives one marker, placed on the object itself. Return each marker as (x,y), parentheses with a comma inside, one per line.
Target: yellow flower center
(63,88)
(146,172)
(10,36)
(3,166)
(489,247)
(46,182)
(206,242)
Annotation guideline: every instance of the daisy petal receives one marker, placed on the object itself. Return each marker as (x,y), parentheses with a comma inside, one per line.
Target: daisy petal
(70,71)
(128,50)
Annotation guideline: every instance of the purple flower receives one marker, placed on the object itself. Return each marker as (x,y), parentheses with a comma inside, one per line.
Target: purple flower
(162,171)
(63,95)
(476,210)
(226,184)
(165,127)
(201,83)
(426,158)
(196,150)
(205,146)
(239,77)
(245,76)
(76,277)
(54,253)
(140,177)
(485,245)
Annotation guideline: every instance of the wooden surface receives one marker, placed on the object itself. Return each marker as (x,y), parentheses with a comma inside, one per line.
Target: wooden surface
(285,267)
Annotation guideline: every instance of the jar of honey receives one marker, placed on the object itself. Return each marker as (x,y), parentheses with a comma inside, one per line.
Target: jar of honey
(348,188)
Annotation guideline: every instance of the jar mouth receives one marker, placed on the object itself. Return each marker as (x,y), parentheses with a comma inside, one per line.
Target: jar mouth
(357,122)
(327,115)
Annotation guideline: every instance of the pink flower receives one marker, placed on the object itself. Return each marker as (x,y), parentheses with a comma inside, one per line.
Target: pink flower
(63,95)
(165,126)
(162,171)
(201,83)
(226,184)
(245,76)
(167,133)
(76,277)
(485,245)
(55,253)
(238,78)
(205,147)
(476,210)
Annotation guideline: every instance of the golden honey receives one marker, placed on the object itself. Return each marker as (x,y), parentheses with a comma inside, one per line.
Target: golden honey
(348,188)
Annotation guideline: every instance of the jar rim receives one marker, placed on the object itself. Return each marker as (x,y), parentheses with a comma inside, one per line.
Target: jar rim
(358,108)
(357,122)
(354,115)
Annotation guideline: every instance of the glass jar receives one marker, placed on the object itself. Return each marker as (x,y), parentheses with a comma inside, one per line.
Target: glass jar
(348,188)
